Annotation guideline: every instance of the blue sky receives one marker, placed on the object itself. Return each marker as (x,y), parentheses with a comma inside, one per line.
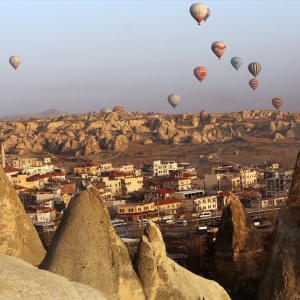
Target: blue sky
(82,56)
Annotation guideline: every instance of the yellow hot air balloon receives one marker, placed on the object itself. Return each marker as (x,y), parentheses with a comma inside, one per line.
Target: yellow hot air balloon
(15,61)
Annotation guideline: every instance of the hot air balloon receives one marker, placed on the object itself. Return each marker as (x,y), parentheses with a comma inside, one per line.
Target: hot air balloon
(218,48)
(254,68)
(200,73)
(15,61)
(174,99)
(118,109)
(198,11)
(253,83)
(106,110)
(277,102)
(207,15)
(236,62)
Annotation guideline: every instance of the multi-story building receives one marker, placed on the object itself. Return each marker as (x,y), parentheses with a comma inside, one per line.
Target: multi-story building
(177,183)
(136,211)
(279,184)
(230,178)
(86,168)
(24,163)
(115,185)
(164,169)
(199,204)
(127,168)
(131,184)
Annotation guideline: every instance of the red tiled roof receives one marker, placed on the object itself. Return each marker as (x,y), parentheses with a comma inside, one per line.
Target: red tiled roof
(10,169)
(58,173)
(165,191)
(37,177)
(166,201)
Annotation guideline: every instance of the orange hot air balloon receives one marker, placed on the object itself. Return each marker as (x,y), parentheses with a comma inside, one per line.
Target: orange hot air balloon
(218,48)
(277,102)
(200,73)
(253,83)
(15,61)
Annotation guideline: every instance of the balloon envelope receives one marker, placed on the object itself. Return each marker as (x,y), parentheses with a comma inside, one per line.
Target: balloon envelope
(218,48)
(277,102)
(15,61)
(207,15)
(106,110)
(236,62)
(253,83)
(119,109)
(174,99)
(200,73)
(254,68)
(198,11)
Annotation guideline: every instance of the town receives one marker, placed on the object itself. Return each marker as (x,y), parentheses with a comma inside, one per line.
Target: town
(169,193)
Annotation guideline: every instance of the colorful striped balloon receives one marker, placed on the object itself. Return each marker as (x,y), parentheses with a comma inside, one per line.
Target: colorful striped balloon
(119,109)
(277,102)
(198,11)
(218,48)
(253,83)
(200,73)
(254,68)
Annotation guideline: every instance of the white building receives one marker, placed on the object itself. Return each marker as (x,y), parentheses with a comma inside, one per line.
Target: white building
(164,169)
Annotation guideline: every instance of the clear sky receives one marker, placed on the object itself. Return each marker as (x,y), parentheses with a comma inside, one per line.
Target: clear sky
(82,56)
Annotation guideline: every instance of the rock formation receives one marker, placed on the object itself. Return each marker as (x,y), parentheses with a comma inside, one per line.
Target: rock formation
(86,249)
(20,280)
(239,251)
(163,279)
(18,236)
(282,272)
(93,133)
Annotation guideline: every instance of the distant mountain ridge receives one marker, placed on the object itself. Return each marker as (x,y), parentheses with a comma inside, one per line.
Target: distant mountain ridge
(50,113)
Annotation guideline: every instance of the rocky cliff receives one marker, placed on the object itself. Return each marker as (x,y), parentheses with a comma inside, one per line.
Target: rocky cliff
(18,237)
(93,133)
(282,273)
(239,253)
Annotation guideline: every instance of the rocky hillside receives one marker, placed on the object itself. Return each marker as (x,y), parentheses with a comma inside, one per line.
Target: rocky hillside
(93,133)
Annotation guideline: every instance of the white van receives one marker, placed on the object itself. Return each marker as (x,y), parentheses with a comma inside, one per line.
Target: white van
(181,223)
(205,214)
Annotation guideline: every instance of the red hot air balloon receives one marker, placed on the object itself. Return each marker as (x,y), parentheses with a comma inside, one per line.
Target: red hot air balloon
(200,73)
(277,102)
(119,109)
(253,83)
